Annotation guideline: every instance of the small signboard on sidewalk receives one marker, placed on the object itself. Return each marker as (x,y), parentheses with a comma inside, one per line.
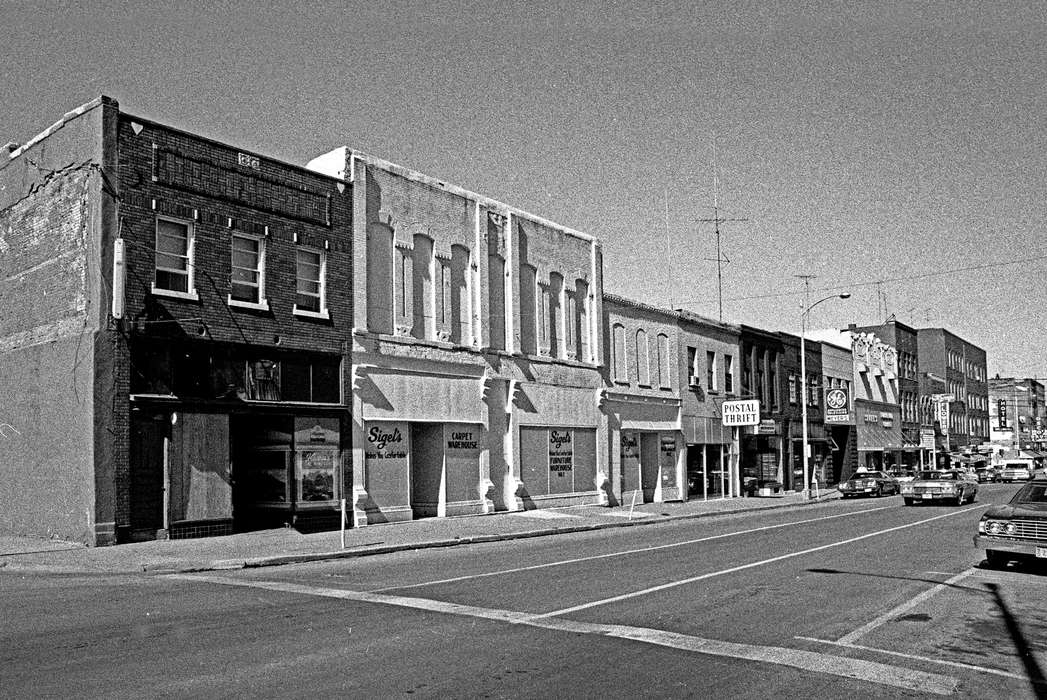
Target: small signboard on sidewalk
(744,412)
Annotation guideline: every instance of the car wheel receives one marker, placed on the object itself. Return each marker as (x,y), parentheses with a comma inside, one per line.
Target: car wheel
(877,493)
(995,558)
(908,501)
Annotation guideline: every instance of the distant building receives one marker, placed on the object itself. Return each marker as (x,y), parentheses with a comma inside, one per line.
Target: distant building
(951,365)
(1016,413)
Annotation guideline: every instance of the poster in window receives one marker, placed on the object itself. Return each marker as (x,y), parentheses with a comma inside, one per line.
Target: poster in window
(317,475)
(561,455)
(667,460)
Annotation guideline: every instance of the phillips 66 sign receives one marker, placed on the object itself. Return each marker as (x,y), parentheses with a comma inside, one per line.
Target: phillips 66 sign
(737,413)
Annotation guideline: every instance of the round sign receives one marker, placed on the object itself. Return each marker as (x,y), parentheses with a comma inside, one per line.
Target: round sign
(836,398)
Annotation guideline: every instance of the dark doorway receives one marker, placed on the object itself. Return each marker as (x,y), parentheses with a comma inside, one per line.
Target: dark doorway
(149,433)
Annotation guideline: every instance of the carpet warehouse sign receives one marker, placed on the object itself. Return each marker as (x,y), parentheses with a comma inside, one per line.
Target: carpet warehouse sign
(561,452)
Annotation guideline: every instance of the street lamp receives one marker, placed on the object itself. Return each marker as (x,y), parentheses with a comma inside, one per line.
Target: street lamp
(803,386)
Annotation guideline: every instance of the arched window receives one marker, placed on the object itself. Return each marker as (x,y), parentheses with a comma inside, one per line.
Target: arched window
(664,368)
(618,359)
(643,359)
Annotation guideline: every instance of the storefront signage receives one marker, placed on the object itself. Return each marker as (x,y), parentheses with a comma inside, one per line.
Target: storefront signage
(462,440)
(927,439)
(766,427)
(746,412)
(561,452)
(836,403)
(386,441)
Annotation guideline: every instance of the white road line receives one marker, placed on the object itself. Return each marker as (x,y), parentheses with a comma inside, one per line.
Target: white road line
(641,550)
(713,574)
(867,671)
(916,657)
(868,627)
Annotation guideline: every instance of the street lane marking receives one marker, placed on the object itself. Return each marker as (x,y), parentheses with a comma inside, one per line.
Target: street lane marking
(641,550)
(743,567)
(857,669)
(868,627)
(926,659)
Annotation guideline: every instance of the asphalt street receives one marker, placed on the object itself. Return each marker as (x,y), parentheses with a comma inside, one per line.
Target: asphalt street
(861,598)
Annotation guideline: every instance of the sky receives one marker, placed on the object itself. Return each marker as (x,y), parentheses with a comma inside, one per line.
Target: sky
(893,150)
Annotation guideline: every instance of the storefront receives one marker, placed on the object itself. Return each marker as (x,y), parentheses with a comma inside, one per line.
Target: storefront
(427,469)
(762,455)
(647,445)
(712,458)
(879,434)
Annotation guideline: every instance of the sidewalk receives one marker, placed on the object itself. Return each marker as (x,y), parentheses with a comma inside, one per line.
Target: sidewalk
(286,545)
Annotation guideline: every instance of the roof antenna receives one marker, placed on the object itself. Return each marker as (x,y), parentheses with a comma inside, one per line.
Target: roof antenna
(716,220)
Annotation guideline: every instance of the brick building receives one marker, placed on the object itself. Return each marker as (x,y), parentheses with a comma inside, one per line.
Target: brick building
(173,365)
(476,350)
(642,401)
(950,364)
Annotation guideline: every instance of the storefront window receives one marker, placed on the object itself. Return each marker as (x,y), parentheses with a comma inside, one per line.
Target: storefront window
(316,471)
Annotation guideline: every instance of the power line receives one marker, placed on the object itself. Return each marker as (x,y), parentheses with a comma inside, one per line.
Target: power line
(907,278)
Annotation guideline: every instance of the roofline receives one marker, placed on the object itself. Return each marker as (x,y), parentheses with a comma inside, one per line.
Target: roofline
(66,118)
(431,181)
(678,314)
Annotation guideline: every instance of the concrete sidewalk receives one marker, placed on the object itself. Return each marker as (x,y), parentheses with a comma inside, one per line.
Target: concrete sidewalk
(286,545)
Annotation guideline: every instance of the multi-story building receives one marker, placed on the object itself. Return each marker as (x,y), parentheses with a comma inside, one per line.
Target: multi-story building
(951,364)
(765,450)
(174,363)
(476,350)
(1016,413)
(708,367)
(793,411)
(642,401)
(838,408)
(904,339)
(877,412)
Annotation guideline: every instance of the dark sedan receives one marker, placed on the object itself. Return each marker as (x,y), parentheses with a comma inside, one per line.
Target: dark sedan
(868,484)
(1017,530)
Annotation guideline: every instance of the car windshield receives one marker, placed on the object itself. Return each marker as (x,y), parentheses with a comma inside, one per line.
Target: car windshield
(1031,494)
(937,476)
(868,475)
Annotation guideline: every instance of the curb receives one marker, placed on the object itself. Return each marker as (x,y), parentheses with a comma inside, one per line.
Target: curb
(161,568)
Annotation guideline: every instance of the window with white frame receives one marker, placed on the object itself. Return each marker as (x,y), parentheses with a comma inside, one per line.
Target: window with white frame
(174,258)
(710,370)
(247,278)
(309,297)
(728,374)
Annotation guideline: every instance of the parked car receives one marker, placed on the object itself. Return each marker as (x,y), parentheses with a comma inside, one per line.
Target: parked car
(868,484)
(1014,471)
(1017,530)
(901,475)
(1038,473)
(953,485)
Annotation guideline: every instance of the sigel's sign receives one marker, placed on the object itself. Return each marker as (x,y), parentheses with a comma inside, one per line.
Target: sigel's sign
(561,452)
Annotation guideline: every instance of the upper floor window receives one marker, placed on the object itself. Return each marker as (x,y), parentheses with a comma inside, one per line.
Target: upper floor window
(728,374)
(643,359)
(663,361)
(792,388)
(310,293)
(174,258)
(247,283)
(619,367)
(710,370)
(692,368)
